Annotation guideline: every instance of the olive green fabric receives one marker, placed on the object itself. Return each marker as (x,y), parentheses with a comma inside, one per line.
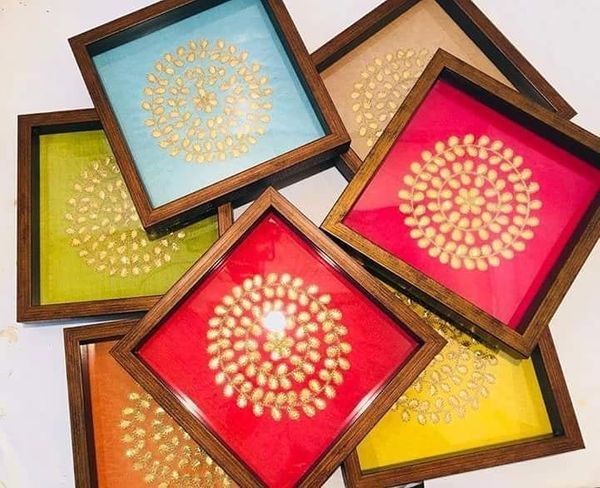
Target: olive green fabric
(92,246)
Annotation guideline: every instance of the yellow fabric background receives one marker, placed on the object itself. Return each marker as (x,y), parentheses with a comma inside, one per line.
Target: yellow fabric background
(502,403)
(64,275)
(511,409)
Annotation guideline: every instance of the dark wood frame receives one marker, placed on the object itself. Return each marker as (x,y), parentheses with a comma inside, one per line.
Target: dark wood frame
(80,412)
(270,200)
(239,188)
(82,432)
(28,305)
(520,72)
(566,436)
(585,145)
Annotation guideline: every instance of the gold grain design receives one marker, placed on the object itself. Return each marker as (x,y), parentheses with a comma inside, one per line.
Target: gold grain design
(470,202)
(290,372)
(207,101)
(382,87)
(104,228)
(162,451)
(458,379)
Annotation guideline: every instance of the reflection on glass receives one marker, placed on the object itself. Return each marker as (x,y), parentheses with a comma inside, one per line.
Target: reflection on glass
(206,97)
(276,322)
(276,343)
(369,84)
(475,201)
(135,442)
(89,228)
(469,397)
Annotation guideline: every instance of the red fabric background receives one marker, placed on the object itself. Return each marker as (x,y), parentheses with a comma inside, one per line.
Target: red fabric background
(279,452)
(567,187)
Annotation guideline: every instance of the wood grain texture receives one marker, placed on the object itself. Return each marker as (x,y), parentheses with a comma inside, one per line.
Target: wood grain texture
(566,437)
(239,188)
(475,24)
(474,20)
(550,125)
(431,343)
(29,307)
(478,27)
(82,433)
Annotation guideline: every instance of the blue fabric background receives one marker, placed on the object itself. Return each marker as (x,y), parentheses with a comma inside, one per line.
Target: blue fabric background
(244,23)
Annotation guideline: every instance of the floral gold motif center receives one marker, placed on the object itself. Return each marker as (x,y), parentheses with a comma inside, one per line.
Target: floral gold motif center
(470,203)
(292,371)
(207,102)
(163,451)
(383,85)
(104,227)
(458,379)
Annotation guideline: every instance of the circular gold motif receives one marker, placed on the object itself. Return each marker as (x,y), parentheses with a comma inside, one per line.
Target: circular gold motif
(104,227)
(458,378)
(162,450)
(207,102)
(384,84)
(470,203)
(290,371)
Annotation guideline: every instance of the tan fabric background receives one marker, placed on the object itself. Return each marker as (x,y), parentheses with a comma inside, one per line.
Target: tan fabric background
(423,28)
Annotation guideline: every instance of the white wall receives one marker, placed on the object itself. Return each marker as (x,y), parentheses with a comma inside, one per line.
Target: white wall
(38,73)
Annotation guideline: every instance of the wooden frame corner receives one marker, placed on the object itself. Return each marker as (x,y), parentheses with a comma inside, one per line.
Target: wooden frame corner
(241,187)
(28,307)
(476,25)
(575,139)
(271,200)
(566,437)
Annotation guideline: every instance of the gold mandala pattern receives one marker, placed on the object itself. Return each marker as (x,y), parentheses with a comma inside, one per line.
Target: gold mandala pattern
(163,451)
(382,88)
(290,372)
(207,102)
(470,202)
(104,227)
(456,381)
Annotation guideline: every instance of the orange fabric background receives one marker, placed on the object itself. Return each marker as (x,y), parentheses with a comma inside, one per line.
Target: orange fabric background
(110,389)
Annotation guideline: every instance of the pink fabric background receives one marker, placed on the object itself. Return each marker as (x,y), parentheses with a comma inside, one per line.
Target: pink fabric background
(279,452)
(567,187)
